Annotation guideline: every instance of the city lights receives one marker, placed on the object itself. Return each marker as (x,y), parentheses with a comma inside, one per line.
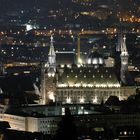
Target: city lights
(69,69)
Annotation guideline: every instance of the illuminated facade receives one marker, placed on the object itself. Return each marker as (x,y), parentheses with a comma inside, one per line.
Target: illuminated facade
(47,76)
(46,125)
(91,82)
(40,118)
(124,61)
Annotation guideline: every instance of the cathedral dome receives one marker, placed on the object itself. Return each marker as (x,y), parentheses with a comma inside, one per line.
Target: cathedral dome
(95,58)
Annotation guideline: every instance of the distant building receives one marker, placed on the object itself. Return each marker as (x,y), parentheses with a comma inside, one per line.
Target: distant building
(109,62)
(48,125)
(38,118)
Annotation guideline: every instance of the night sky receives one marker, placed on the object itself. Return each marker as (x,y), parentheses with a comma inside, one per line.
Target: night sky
(8,5)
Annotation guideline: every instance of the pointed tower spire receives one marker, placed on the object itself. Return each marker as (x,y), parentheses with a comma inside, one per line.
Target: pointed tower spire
(124,61)
(47,75)
(51,51)
(123,47)
(51,58)
(51,55)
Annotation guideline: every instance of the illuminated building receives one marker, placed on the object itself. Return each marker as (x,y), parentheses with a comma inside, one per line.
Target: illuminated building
(124,56)
(83,83)
(95,59)
(124,62)
(109,62)
(39,118)
(48,125)
(89,84)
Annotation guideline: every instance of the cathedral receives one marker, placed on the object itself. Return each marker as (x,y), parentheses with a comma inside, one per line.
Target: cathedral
(92,82)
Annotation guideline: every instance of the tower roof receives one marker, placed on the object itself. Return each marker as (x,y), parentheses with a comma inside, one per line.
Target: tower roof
(123,47)
(51,51)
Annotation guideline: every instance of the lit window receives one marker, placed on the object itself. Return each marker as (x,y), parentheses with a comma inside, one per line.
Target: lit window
(95,99)
(82,100)
(68,100)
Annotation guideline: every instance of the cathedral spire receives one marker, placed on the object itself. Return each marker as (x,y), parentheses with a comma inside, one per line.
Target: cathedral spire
(51,51)
(51,59)
(47,75)
(123,47)
(124,61)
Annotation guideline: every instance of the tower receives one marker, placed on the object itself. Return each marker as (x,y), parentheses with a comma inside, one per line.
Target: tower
(51,59)
(124,61)
(120,42)
(48,76)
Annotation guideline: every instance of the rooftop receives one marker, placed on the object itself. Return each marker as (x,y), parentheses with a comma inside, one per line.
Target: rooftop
(88,77)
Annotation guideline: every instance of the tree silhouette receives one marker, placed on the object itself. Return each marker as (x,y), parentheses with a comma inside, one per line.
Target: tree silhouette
(66,127)
(112,100)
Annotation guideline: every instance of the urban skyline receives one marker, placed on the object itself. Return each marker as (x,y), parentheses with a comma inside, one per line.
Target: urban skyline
(69,69)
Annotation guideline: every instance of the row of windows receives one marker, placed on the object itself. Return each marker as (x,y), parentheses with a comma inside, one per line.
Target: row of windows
(85,97)
(48,126)
(48,132)
(14,118)
(85,92)
(48,121)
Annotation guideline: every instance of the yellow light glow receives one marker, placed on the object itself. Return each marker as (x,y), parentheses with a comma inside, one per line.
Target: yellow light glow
(68,100)
(82,100)
(80,61)
(51,96)
(95,100)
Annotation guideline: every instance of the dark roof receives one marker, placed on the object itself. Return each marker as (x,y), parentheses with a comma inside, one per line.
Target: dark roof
(89,77)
